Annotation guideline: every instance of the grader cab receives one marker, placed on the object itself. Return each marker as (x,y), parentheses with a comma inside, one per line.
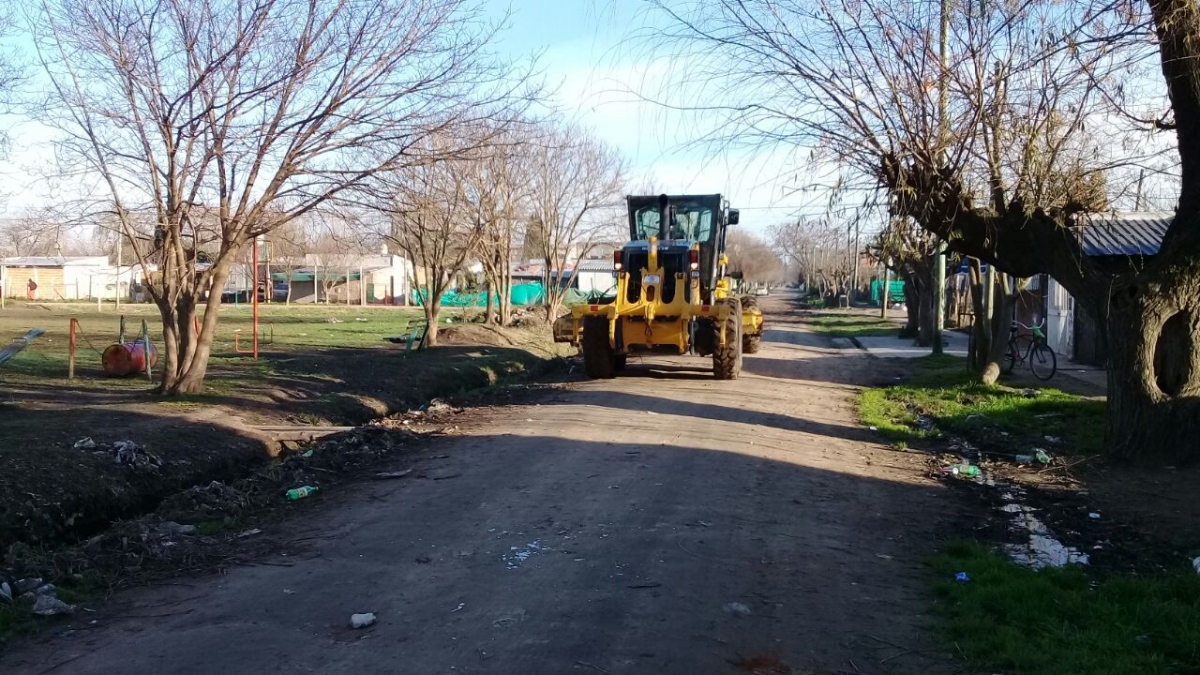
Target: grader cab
(672,292)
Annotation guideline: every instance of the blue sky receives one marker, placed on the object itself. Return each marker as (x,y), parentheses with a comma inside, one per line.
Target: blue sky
(589,57)
(589,53)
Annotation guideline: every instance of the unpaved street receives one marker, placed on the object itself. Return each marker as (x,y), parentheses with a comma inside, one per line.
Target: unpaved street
(662,522)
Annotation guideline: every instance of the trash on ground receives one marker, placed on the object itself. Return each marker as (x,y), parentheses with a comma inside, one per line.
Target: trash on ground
(27,585)
(85,443)
(1023,459)
(1041,456)
(1094,516)
(1196,564)
(387,475)
(300,492)
(737,608)
(520,554)
(48,605)
(6,592)
(362,620)
(1054,440)
(962,577)
(874,428)
(883,556)
(962,470)
(125,452)
(171,528)
(460,606)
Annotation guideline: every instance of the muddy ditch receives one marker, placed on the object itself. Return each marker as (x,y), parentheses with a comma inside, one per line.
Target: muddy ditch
(191,494)
(1039,509)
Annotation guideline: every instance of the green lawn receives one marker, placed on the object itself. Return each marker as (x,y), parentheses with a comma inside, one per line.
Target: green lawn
(944,392)
(852,325)
(1062,622)
(282,328)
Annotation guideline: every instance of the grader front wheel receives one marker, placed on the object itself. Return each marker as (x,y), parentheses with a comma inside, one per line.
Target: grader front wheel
(727,360)
(599,359)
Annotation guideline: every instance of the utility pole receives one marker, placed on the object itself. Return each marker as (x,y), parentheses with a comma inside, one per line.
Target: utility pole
(885,290)
(117,292)
(939,260)
(1137,204)
(854,264)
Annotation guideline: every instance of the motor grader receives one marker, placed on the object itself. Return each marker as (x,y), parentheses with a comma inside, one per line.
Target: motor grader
(673,293)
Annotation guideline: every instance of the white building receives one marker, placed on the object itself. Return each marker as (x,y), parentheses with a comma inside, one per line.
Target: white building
(58,277)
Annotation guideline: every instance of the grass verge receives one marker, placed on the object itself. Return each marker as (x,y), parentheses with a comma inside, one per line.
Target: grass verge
(1060,621)
(852,325)
(944,393)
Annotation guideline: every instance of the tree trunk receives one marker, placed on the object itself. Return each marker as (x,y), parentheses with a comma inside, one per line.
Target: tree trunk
(505,295)
(489,313)
(912,298)
(989,334)
(433,310)
(1154,367)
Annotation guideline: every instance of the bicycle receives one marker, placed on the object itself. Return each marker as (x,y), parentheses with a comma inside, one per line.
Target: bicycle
(1031,349)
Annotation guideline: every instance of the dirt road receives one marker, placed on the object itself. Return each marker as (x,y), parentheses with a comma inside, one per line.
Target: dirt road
(662,522)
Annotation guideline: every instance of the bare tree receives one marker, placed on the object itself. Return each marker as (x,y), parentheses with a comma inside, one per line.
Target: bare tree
(432,217)
(819,251)
(575,183)
(752,257)
(909,250)
(988,124)
(226,119)
(501,185)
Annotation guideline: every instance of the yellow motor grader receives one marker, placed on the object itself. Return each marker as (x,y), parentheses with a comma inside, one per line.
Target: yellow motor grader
(673,294)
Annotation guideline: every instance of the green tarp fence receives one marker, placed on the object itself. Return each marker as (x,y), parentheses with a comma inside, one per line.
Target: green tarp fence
(522,295)
(895,291)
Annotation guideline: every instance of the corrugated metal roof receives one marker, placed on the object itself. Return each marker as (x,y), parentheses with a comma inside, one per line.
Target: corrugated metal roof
(595,265)
(1125,233)
(55,261)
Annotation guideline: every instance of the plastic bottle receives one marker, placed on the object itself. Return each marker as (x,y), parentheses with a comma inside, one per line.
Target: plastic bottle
(1042,456)
(300,492)
(967,470)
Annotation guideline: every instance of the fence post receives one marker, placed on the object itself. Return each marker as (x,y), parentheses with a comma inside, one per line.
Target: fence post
(121,335)
(71,358)
(146,349)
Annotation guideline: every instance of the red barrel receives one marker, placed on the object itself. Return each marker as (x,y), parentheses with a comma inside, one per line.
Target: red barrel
(127,359)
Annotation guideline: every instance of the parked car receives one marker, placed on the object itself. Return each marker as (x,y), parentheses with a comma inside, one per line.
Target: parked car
(279,291)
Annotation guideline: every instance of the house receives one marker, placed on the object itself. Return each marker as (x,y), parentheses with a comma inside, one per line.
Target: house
(373,279)
(596,277)
(1115,241)
(57,277)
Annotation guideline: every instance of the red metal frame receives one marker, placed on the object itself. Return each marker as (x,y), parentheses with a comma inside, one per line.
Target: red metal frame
(254,304)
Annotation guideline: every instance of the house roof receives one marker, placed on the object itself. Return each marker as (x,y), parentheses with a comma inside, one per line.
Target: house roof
(54,261)
(1125,233)
(595,265)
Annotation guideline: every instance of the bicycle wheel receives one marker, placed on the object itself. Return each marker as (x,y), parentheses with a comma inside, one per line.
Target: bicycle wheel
(1042,361)
(1011,356)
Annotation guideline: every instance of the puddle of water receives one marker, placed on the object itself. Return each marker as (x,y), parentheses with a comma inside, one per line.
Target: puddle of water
(1042,549)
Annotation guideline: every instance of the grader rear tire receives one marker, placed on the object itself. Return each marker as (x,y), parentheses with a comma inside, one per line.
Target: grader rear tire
(727,360)
(599,359)
(750,344)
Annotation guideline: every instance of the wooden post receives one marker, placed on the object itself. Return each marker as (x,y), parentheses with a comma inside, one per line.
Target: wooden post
(71,357)
(146,350)
(121,335)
